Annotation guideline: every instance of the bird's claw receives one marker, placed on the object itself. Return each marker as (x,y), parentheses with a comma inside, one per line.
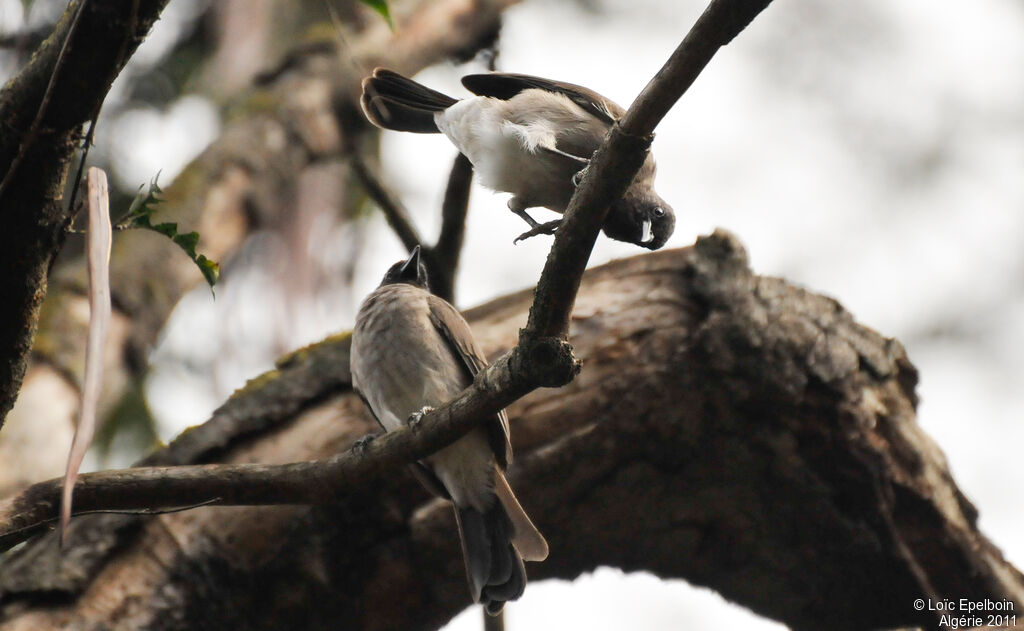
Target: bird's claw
(577,177)
(544,228)
(359,447)
(416,417)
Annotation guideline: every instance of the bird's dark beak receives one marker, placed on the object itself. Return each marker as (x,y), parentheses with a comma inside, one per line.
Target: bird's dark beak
(410,269)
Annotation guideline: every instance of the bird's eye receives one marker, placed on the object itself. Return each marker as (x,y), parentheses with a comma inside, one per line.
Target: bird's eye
(659,212)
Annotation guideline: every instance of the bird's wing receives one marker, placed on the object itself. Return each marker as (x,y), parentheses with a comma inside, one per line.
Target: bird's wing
(421,472)
(366,404)
(455,332)
(505,86)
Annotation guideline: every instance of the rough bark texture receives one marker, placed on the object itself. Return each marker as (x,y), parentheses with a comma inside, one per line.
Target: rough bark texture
(42,111)
(726,428)
(246,181)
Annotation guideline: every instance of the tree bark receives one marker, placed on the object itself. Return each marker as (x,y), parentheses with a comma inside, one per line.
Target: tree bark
(42,111)
(726,428)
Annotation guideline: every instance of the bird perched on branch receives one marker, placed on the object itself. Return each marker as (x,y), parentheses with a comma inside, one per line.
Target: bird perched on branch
(410,351)
(527,136)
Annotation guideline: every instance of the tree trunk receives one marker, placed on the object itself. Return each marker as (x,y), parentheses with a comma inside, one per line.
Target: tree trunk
(726,428)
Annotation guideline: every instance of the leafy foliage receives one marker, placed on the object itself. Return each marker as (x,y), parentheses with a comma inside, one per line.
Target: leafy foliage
(140,215)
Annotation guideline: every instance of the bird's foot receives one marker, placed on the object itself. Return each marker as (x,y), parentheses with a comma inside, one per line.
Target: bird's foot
(577,177)
(544,228)
(519,209)
(359,447)
(416,417)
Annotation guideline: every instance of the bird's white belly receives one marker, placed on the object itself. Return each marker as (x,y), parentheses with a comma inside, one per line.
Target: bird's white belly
(506,155)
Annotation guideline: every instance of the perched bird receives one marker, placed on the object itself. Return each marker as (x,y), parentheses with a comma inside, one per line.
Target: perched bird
(527,136)
(412,350)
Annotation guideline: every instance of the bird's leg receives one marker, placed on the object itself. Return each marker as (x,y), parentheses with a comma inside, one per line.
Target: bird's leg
(584,161)
(577,177)
(519,208)
(416,417)
(359,447)
(544,228)
(559,152)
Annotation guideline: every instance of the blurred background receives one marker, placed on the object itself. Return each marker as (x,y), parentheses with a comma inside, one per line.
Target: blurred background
(871,151)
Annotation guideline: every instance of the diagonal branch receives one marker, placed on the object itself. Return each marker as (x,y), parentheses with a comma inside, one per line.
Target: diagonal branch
(616,162)
(444,256)
(394,212)
(542,358)
(440,260)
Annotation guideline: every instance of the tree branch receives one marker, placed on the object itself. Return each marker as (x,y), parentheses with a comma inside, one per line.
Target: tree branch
(615,164)
(442,259)
(394,211)
(445,253)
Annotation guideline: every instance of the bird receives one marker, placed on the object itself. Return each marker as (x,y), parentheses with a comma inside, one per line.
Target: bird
(528,136)
(412,351)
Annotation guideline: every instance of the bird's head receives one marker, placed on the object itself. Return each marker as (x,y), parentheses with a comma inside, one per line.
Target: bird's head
(640,217)
(411,271)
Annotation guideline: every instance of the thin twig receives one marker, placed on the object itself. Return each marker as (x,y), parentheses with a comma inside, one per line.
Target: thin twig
(395,213)
(133,20)
(446,252)
(33,129)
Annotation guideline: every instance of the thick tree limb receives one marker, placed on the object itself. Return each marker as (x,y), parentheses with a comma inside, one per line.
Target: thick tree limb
(729,429)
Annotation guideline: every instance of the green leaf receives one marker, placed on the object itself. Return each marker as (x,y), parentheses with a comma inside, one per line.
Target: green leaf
(380,6)
(144,203)
(140,214)
(187,241)
(210,270)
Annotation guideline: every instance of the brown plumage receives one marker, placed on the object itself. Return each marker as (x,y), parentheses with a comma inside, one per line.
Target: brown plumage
(412,350)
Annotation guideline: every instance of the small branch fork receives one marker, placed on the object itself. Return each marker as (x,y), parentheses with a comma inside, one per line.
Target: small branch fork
(543,357)
(442,259)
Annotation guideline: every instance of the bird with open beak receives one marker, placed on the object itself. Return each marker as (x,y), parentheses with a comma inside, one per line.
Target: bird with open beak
(411,351)
(527,136)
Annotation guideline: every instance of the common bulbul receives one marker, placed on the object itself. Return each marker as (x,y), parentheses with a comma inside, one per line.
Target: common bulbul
(411,351)
(527,136)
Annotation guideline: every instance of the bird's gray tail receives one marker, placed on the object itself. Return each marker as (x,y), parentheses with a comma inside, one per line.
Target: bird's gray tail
(392,101)
(491,542)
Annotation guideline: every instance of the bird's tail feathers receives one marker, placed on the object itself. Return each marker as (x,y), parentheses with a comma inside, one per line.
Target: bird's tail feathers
(493,566)
(392,101)
(526,538)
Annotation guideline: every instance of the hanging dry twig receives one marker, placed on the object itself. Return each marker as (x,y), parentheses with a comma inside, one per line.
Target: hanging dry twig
(99,323)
